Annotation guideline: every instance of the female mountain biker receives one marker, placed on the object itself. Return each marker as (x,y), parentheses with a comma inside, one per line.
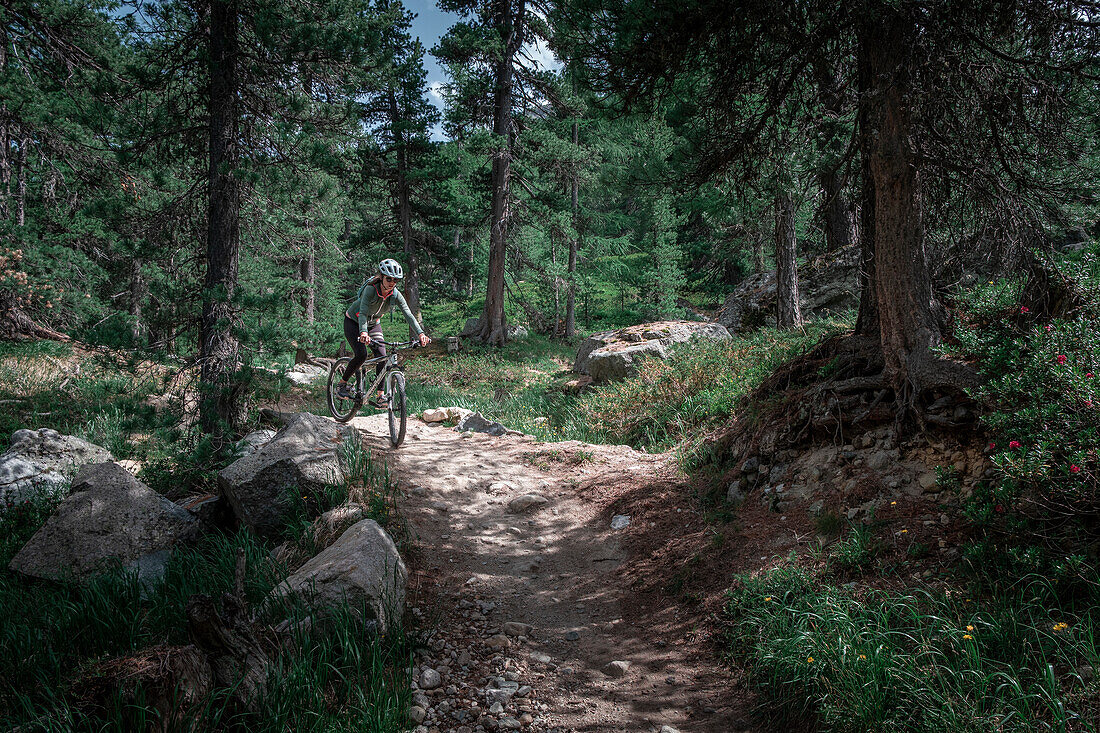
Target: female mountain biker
(363,322)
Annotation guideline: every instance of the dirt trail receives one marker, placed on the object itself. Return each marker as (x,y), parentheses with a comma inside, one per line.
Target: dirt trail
(481,567)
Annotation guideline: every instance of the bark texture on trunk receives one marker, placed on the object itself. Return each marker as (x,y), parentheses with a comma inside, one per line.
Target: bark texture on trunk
(571,265)
(788,312)
(837,213)
(757,237)
(493,324)
(867,324)
(908,322)
(21,186)
(220,409)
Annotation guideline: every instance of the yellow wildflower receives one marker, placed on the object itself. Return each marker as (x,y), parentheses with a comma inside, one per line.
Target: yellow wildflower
(969,627)
(768,598)
(862,656)
(1061,626)
(893,503)
(809,660)
(967,636)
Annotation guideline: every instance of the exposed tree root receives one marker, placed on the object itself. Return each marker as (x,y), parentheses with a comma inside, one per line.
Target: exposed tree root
(840,389)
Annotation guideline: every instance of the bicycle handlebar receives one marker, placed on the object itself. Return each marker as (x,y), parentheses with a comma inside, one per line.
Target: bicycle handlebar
(396,344)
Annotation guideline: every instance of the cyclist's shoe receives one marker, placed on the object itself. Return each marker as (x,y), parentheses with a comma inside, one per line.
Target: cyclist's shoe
(344,391)
(379,401)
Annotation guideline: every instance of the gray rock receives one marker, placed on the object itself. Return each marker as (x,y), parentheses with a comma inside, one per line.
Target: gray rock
(646,338)
(110,517)
(254,441)
(527,501)
(417,714)
(516,333)
(303,457)
(429,679)
(362,566)
(817,508)
(514,628)
(475,423)
(750,465)
(42,462)
(472,328)
(831,285)
(620,360)
(572,636)
(616,669)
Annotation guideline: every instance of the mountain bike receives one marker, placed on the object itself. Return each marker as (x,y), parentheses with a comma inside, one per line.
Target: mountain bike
(391,381)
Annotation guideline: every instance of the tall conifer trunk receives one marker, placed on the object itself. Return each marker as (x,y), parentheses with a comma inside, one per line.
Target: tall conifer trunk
(907,311)
(789,313)
(219,352)
(510,16)
(867,324)
(571,265)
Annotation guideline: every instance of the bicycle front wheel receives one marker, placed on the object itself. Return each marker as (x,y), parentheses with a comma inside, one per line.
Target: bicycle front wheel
(396,411)
(342,408)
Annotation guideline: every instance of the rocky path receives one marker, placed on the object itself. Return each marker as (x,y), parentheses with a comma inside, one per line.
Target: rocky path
(518,569)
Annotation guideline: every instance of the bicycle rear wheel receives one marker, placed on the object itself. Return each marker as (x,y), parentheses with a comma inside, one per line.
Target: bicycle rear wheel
(396,411)
(342,408)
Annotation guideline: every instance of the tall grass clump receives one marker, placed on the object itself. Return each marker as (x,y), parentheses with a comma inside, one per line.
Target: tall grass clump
(702,382)
(921,661)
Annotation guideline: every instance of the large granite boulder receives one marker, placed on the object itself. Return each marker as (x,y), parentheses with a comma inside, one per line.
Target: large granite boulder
(110,517)
(620,360)
(828,285)
(362,567)
(43,462)
(306,374)
(304,456)
(611,355)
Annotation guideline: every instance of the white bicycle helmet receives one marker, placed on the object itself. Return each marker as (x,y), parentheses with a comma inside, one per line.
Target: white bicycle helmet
(391,268)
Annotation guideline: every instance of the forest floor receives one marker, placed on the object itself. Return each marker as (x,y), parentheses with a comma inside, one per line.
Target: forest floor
(591,594)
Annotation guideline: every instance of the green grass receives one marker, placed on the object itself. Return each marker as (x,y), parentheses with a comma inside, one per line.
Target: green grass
(701,384)
(919,660)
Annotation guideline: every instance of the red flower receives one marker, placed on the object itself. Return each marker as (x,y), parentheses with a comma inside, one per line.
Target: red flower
(1088,403)
(1073,468)
(1088,375)
(1013,444)
(1061,358)
(1023,309)
(992,446)
(1048,327)
(999,509)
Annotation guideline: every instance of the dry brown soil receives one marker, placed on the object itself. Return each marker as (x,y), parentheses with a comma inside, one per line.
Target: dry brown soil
(592,595)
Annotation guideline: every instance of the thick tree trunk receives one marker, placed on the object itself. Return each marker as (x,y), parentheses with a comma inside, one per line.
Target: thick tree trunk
(789,314)
(837,214)
(571,265)
(5,161)
(867,324)
(219,350)
(908,322)
(493,325)
(757,235)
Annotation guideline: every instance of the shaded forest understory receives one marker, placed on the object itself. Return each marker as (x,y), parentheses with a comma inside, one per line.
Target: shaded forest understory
(886,482)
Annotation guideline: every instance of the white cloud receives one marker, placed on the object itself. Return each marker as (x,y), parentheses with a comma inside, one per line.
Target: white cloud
(543,58)
(435,89)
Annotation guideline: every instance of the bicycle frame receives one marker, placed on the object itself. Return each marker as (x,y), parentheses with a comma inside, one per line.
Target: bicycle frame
(391,364)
